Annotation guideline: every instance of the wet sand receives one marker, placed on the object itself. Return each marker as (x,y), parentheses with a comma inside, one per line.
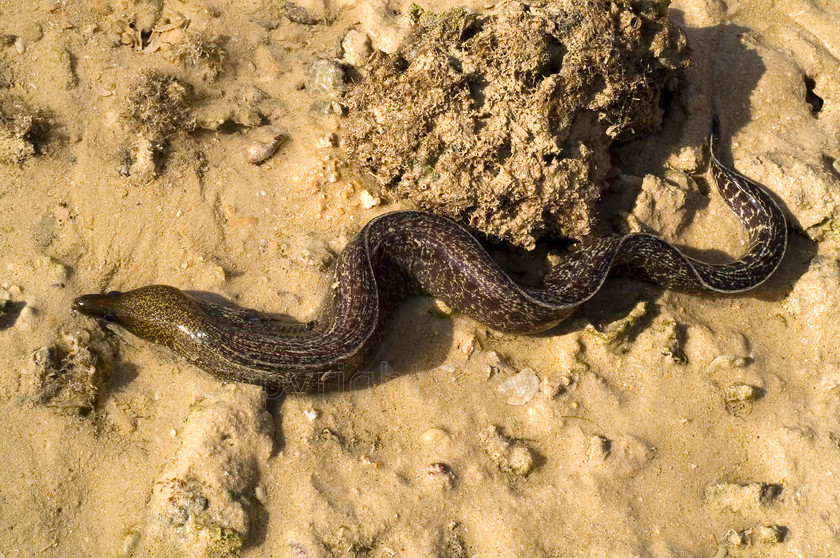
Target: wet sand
(713,429)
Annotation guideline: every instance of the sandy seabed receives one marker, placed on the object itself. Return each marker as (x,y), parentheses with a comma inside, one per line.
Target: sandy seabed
(712,429)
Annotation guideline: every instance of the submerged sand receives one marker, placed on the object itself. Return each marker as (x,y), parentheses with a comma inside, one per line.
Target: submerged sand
(712,429)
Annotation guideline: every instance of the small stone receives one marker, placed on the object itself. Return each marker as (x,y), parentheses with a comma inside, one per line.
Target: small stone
(769,534)
(521,461)
(327,141)
(260,494)
(495,364)
(521,388)
(553,385)
(20,45)
(598,448)
(61,62)
(32,31)
(468,344)
(325,78)
(357,48)
(734,539)
(512,456)
(14,290)
(56,272)
(144,165)
(742,392)
(435,437)
(368,200)
(316,252)
(263,143)
(26,318)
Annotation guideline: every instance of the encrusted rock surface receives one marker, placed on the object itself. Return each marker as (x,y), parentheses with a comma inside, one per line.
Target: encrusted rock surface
(504,121)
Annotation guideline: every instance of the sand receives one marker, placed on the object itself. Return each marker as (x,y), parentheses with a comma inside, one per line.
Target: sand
(712,429)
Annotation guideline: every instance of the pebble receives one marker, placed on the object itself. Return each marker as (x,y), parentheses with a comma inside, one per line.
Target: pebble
(554,384)
(316,252)
(56,272)
(768,534)
(327,141)
(435,437)
(25,318)
(467,343)
(598,448)
(368,200)
(512,456)
(325,78)
(742,392)
(357,48)
(263,144)
(734,539)
(521,388)
(32,31)
(260,494)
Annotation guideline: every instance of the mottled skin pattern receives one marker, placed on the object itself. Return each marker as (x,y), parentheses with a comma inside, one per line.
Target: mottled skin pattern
(407,251)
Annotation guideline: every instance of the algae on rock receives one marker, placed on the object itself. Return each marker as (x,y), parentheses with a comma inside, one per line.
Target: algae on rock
(204,502)
(70,374)
(504,121)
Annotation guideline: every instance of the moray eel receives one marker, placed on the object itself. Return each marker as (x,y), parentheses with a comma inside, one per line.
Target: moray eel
(403,251)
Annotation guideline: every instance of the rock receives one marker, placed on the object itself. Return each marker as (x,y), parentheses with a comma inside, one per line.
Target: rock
(815,298)
(368,200)
(512,456)
(356,47)
(498,121)
(521,388)
(204,502)
(23,131)
(619,334)
(159,106)
(69,375)
(263,143)
(59,63)
(316,252)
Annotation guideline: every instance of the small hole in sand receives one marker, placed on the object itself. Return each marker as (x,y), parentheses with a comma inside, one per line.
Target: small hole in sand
(812,98)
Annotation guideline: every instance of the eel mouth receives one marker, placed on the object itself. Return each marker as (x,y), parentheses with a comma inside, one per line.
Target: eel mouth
(98,306)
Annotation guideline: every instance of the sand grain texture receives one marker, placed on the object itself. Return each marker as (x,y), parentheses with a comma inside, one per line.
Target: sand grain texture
(712,427)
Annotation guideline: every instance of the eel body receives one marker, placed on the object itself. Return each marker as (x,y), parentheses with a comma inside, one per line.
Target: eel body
(406,250)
